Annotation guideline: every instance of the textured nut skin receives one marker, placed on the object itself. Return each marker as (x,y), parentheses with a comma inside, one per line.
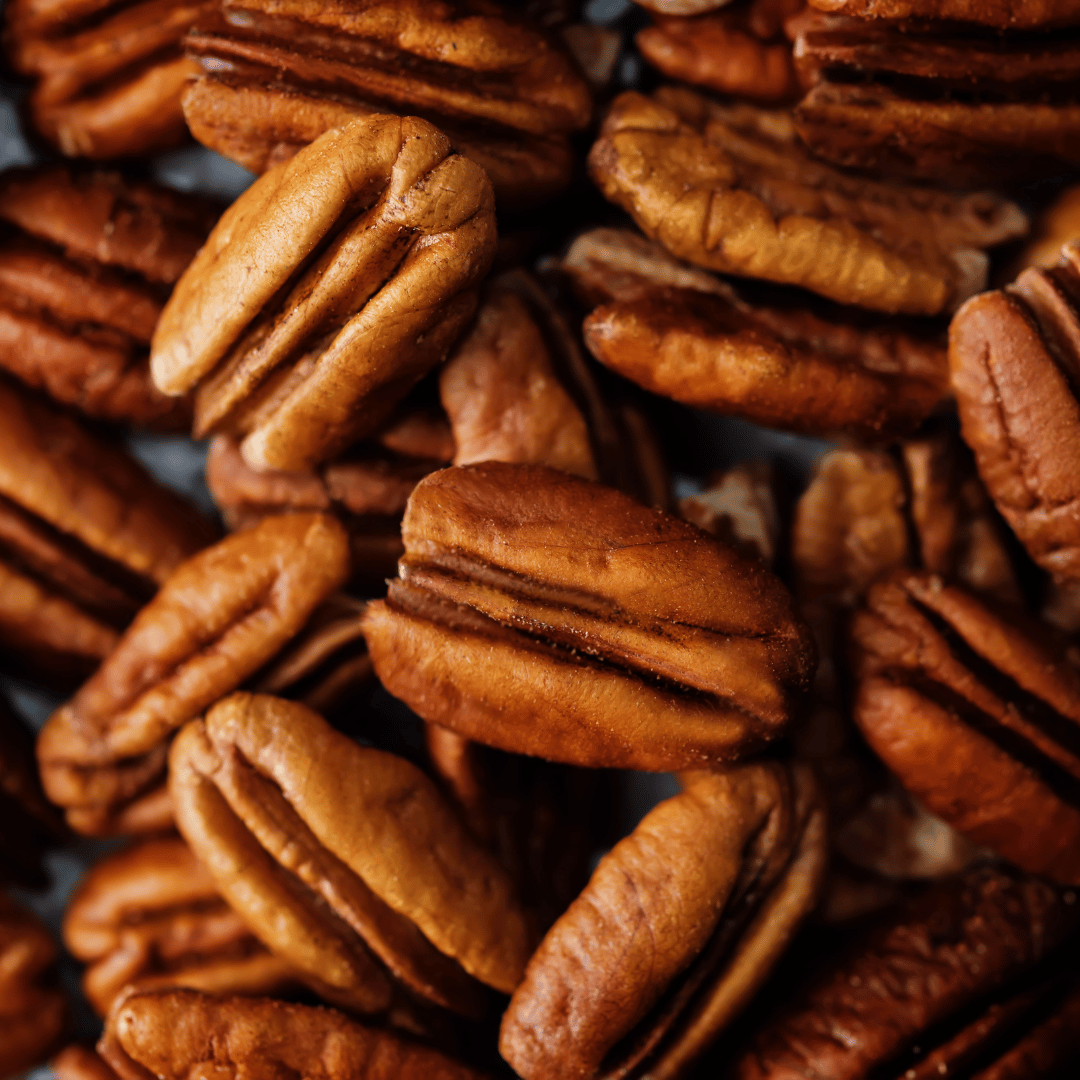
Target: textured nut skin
(976,716)
(732,190)
(216,620)
(259,1039)
(149,916)
(543,614)
(1006,14)
(328,849)
(413,229)
(1013,355)
(692,910)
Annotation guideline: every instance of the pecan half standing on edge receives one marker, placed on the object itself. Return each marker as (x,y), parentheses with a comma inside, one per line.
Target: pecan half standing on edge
(217,620)
(357,291)
(344,860)
(544,614)
(731,189)
(680,924)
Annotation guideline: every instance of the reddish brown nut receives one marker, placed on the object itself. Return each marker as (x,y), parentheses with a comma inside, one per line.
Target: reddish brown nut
(544,614)
(181,1035)
(730,188)
(682,7)
(354,294)
(345,861)
(216,621)
(1004,14)
(76,1062)
(1053,227)
(680,924)
(277,75)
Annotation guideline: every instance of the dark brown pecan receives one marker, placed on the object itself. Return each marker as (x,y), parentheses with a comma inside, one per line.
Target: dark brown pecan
(346,861)
(1003,14)
(680,924)
(279,74)
(216,620)
(941,989)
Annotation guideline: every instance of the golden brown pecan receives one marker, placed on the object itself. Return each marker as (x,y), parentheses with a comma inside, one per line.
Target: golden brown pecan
(76,1062)
(544,614)
(356,293)
(182,1035)
(1015,360)
(943,988)
(85,537)
(32,1011)
(109,74)
(730,188)
(85,271)
(1004,14)
(216,620)
(680,924)
(345,861)
(149,917)
(781,360)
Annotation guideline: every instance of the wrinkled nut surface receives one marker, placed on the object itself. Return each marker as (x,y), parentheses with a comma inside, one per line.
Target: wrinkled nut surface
(731,189)
(1004,14)
(976,715)
(216,621)
(547,615)
(1015,360)
(680,924)
(183,1035)
(304,320)
(345,861)
(684,334)
(150,917)
(949,955)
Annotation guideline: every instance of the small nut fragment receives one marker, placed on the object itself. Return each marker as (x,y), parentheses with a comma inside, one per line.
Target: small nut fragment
(738,506)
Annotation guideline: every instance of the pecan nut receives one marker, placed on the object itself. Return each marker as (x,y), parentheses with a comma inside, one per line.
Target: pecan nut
(544,614)
(731,189)
(346,861)
(76,1062)
(678,927)
(1054,227)
(738,506)
(357,294)
(1003,14)
(218,619)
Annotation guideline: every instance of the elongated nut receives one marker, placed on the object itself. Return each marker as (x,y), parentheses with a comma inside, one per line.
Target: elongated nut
(216,621)
(327,290)
(547,615)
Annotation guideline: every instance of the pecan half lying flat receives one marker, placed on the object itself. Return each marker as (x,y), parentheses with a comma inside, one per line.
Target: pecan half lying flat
(544,614)
(84,275)
(346,861)
(1004,14)
(941,989)
(277,75)
(731,188)
(680,924)
(216,620)
(1015,359)
(977,716)
(182,1035)
(366,247)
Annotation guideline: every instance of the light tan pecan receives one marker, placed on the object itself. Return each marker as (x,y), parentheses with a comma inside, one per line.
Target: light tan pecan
(738,506)
(216,620)
(327,290)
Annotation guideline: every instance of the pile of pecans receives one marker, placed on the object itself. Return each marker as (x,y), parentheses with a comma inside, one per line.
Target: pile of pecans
(357,746)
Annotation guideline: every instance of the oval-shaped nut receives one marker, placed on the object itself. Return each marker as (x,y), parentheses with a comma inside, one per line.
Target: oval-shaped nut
(329,850)
(183,1034)
(544,614)
(149,916)
(379,268)
(216,621)
(680,924)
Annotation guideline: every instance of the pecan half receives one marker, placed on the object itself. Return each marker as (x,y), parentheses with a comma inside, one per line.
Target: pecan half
(977,715)
(544,614)
(217,620)
(680,924)
(149,917)
(367,245)
(1004,14)
(85,272)
(182,1034)
(730,188)
(346,861)
(942,988)
(1015,360)
(277,75)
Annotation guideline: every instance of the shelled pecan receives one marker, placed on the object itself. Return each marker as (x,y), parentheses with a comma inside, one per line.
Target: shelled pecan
(1001,14)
